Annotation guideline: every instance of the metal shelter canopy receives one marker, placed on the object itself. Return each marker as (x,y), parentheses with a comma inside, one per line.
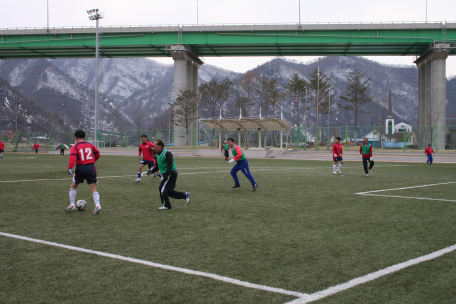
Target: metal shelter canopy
(248,124)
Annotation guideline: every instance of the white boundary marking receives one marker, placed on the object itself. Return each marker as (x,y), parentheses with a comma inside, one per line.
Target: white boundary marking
(398,196)
(162,266)
(205,172)
(371,276)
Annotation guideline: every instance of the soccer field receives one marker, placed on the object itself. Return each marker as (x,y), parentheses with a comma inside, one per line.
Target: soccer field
(305,235)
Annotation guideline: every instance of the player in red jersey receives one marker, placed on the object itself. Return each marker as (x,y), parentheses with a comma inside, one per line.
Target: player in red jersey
(337,156)
(36,146)
(84,154)
(146,148)
(2,148)
(428,151)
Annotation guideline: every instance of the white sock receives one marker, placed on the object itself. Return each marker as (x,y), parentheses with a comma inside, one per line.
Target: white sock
(334,168)
(340,166)
(96,199)
(72,196)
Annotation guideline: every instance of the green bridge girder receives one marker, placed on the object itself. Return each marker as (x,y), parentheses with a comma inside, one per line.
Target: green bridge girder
(353,40)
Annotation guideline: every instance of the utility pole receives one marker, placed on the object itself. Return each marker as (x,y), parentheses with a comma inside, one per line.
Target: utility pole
(305,124)
(15,149)
(316,116)
(329,116)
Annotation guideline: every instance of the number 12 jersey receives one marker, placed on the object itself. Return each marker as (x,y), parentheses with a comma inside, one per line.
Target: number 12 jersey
(83,153)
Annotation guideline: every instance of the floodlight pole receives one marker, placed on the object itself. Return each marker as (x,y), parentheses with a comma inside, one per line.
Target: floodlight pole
(48,16)
(299,12)
(329,116)
(316,117)
(94,14)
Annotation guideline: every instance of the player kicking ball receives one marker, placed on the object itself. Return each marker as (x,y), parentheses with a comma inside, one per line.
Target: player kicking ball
(337,156)
(146,148)
(84,154)
(241,165)
(366,153)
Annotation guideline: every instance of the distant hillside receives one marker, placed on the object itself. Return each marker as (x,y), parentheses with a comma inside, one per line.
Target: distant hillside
(31,117)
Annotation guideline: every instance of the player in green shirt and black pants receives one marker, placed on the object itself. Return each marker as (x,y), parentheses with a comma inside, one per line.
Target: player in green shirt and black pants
(167,166)
(225,150)
(62,149)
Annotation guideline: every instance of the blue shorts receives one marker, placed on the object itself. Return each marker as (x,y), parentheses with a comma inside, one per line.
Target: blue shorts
(338,159)
(85,172)
(36,151)
(1,151)
(149,163)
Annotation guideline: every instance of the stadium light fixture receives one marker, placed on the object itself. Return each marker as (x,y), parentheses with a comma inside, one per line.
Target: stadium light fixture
(94,14)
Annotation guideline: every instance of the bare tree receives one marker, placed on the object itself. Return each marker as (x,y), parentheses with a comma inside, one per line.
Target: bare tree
(140,117)
(247,82)
(185,107)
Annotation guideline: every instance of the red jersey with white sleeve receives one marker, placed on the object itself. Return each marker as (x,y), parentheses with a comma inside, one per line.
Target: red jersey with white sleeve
(147,151)
(2,145)
(427,151)
(337,149)
(83,153)
(36,146)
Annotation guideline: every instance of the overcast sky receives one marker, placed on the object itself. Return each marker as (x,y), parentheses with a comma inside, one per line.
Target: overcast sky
(33,13)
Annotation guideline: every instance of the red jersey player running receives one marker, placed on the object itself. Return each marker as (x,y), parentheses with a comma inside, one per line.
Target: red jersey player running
(337,156)
(146,148)
(84,154)
(2,147)
(36,146)
(428,151)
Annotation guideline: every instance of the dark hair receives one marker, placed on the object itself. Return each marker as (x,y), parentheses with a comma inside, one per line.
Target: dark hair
(231,139)
(80,134)
(159,142)
(338,137)
(429,145)
(144,136)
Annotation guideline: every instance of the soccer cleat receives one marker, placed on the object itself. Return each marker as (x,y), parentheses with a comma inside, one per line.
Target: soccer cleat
(367,174)
(236,186)
(137,180)
(97,210)
(370,171)
(163,208)
(70,207)
(334,172)
(255,187)
(338,171)
(187,197)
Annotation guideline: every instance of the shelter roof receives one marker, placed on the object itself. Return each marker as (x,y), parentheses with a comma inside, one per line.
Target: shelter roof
(247,124)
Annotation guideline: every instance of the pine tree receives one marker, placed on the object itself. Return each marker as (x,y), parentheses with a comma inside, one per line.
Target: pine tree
(357,93)
(185,108)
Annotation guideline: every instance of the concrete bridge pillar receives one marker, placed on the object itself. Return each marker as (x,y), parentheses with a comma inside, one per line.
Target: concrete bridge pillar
(432,95)
(185,78)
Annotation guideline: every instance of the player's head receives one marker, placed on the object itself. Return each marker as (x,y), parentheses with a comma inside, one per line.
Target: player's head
(337,139)
(231,142)
(144,138)
(225,142)
(365,140)
(159,145)
(80,134)
(429,145)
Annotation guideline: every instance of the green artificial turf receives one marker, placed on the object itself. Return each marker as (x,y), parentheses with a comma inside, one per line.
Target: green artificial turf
(303,230)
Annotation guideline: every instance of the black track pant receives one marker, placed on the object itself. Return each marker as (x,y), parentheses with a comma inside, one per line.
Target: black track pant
(365,160)
(62,151)
(167,190)
(226,154)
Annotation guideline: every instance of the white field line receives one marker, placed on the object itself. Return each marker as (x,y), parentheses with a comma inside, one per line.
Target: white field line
(422,198)
(406,188)
(371,276)
(162,266)
(204,172)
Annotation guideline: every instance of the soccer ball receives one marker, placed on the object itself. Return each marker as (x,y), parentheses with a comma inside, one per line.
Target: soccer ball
(81,205)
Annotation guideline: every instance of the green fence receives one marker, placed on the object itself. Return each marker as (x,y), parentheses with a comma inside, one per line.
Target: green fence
(404,137)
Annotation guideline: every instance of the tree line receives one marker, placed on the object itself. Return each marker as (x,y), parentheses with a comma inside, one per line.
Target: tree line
(265,93)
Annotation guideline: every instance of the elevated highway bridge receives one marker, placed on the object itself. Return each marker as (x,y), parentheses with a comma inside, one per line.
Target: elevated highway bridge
(430,43)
